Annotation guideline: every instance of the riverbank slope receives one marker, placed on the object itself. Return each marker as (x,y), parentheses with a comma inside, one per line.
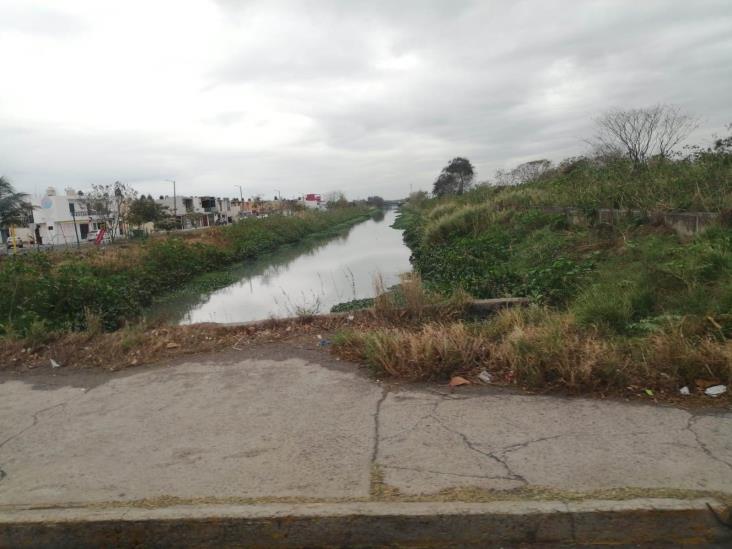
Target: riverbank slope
(629,307)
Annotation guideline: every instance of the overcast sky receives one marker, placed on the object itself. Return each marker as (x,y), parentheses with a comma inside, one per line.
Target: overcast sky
(368,97)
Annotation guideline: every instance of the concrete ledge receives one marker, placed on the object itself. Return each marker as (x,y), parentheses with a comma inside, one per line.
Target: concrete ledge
(640,521)
(486,307)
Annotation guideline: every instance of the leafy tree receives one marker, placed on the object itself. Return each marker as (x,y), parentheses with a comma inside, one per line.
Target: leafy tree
(146,210)
(376,201)
(166,223)
(110,203)
(444,185)
(14,208)
(455,178)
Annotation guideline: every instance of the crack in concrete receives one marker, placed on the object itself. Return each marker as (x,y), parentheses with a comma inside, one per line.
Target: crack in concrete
(526,444)
(33,424)
(35,421)
(377,423)
(510,474)
(704,448)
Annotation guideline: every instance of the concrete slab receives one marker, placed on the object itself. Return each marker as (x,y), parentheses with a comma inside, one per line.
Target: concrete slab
(430,442)
(246,429)
(280,424)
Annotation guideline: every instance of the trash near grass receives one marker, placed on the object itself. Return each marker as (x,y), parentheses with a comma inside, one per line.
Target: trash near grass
(541,349)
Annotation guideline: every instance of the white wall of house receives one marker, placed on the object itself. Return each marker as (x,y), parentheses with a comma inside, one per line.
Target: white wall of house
(56,225)
(173,206)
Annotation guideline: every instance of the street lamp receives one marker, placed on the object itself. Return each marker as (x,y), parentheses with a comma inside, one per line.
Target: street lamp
(175,202)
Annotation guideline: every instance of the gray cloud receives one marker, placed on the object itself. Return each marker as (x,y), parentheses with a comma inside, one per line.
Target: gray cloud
(392,90)
(39,20)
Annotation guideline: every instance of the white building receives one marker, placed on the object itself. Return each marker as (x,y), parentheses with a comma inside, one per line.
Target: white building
(54,222)
(200,211)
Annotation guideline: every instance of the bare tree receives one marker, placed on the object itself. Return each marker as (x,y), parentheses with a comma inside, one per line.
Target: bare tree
(643,133)
(110,203)
(674,127)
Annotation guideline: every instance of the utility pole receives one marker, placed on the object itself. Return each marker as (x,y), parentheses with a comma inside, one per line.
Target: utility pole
(175,203)
(278,198)
(241,201)
(72,210)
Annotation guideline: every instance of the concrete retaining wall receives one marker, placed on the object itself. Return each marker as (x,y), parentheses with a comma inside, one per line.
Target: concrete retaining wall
(684,223)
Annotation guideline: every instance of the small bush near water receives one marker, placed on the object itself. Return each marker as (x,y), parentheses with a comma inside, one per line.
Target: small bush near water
(41,292)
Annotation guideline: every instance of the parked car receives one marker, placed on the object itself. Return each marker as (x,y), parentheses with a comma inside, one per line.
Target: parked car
(14,241)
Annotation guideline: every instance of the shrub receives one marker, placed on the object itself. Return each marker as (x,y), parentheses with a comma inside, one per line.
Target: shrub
(613,304)
(434,351)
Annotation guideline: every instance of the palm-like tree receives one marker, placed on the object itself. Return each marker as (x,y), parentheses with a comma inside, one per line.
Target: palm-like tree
(14,208)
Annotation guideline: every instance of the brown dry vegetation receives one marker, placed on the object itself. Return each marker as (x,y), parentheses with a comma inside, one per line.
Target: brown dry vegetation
(138,344)
(539,349)
(411,302)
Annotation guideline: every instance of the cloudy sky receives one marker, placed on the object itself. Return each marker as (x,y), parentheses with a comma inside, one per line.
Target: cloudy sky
(365,96)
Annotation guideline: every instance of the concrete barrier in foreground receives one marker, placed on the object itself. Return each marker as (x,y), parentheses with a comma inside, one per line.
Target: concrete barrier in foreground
(640,521)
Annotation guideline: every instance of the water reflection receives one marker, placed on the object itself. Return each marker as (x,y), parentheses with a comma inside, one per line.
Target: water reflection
(309,277)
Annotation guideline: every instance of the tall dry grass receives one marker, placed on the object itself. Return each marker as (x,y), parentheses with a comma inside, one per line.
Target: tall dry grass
(542,349)
(411,301)
(433,351)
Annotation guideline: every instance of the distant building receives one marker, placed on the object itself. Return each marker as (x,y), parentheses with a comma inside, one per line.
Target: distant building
(203,211)
(312,201)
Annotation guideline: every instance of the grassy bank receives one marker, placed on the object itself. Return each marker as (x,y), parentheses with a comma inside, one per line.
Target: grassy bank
(66,291)
(632,307)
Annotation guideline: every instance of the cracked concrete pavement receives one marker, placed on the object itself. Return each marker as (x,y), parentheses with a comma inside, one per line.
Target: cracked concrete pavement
(275,424)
